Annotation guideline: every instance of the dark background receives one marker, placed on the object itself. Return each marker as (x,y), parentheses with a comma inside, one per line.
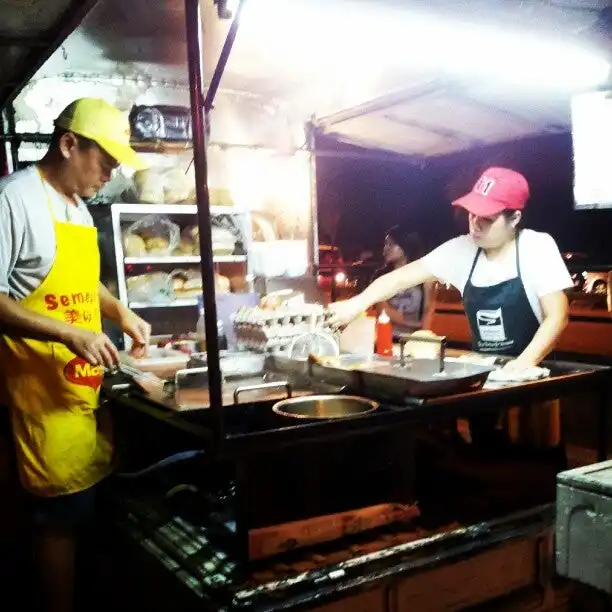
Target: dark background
(362,193)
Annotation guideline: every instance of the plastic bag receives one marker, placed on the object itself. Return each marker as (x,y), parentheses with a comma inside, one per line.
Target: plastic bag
(189,242)
(178,186)
(153,288)
(160,237)
(161,186)
(147,187)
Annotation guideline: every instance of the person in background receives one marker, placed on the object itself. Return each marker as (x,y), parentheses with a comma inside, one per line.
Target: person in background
(53,353)
(411,309)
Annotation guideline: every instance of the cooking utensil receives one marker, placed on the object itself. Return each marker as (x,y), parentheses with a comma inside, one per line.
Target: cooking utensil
(386,378)
(263,387)
(315,342)
(147,381)
(406,338)
(317,407)
(421,378)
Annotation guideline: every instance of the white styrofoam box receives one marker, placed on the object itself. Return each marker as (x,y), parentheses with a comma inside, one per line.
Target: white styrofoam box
(279,258)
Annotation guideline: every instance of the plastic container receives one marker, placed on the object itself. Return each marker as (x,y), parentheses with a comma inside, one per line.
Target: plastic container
(201,329)
(162,362)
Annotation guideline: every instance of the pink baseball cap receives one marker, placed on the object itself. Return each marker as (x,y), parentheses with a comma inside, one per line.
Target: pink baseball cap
(498,189)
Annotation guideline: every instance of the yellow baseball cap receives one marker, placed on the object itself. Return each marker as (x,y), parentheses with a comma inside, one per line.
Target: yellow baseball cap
(106,125)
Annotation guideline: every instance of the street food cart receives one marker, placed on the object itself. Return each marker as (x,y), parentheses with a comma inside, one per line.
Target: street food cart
(264,479)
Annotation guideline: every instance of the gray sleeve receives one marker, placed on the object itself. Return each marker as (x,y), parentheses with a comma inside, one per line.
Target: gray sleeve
(11,237)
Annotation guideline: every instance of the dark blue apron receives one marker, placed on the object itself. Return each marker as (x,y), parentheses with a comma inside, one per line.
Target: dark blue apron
(501,318)
(502,321)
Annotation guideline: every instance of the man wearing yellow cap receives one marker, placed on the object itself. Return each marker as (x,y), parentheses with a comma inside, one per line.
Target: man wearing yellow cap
(53,352)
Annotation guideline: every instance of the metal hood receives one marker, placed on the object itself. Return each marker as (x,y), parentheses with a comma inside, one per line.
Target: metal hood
(30,31)
(281,75)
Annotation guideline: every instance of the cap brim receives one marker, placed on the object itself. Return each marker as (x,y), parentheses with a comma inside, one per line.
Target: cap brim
(124,154)
(479,205)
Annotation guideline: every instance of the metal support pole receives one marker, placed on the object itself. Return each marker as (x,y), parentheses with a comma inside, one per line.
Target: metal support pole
(382,103)
(25,137)
(8,150)
(313,233)
(223,57)
(11,130)
(198,117)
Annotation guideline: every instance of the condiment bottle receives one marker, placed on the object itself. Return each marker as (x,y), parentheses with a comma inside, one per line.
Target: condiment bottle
(384,335)
(201,332)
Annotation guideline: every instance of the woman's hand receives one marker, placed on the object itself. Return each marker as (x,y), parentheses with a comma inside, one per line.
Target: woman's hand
(340,314)
(518,365)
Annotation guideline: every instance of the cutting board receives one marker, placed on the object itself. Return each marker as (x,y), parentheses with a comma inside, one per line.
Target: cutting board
(267,541)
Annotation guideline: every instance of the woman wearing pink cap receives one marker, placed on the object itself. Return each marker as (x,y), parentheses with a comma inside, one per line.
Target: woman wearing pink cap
(512,281)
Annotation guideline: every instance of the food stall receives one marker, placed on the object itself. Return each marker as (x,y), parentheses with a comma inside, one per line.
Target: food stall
(234,481)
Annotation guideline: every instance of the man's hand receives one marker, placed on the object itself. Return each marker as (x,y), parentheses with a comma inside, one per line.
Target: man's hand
(138,329)
(97,349)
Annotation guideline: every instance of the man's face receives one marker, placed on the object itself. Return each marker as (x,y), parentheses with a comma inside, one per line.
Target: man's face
(89,166)
(492,232)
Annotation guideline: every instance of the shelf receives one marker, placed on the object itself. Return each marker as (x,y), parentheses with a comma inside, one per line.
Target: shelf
(175,304)
(161,146)
(182,259)
(172,209)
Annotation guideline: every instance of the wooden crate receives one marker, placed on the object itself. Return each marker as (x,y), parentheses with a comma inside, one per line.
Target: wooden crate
(493,574)
(371,601)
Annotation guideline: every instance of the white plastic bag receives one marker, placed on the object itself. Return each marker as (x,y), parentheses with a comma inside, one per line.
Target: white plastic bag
(161,186)
(153,288)
(159,234)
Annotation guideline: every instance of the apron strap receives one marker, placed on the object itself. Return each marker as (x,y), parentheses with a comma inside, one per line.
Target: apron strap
(469,278)
(49,202)
(518,259)
(422,305)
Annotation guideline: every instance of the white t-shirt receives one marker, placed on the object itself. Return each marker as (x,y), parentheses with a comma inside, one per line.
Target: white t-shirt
(27,236)
(543,270)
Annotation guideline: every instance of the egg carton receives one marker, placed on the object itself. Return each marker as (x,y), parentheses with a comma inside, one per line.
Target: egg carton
(267,330)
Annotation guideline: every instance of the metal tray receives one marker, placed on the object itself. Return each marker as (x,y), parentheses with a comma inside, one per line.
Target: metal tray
(243,364)
(344,371)
(298,371)
(381,378)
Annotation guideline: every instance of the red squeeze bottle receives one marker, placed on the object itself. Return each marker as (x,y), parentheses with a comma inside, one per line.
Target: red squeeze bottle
(384,335)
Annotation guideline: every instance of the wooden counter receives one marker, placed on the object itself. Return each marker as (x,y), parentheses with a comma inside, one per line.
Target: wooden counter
(589,331)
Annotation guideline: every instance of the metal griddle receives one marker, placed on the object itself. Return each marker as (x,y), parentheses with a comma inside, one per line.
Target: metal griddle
(392,380)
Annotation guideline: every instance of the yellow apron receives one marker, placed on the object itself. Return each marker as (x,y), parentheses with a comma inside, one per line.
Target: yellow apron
(52,393)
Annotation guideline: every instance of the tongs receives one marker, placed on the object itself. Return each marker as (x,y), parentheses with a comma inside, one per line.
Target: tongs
(121,368)
(145,380)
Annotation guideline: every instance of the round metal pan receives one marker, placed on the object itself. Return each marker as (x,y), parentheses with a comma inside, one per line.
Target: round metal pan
(317,407)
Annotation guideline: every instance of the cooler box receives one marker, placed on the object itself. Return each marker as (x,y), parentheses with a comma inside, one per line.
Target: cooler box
(584,525)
